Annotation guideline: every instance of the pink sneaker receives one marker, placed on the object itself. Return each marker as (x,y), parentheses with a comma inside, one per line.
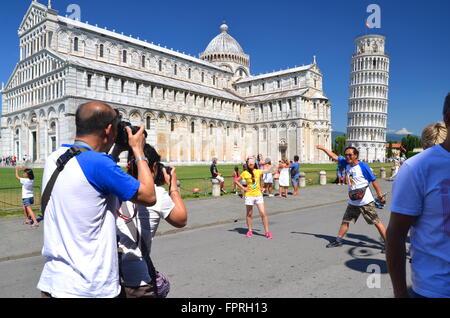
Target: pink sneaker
(249,234)
(269,235)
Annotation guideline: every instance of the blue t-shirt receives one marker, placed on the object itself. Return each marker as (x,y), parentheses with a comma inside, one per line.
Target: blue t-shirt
(422,189)
(342,163)
(295,170)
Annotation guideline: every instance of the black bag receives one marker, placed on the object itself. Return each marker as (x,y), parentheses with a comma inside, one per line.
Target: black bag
(357,194)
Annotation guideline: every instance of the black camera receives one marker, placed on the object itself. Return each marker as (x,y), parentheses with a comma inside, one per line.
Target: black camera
(159,180)
(122,135)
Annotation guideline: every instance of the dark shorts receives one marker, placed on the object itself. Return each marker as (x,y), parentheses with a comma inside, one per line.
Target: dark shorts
(295,181)
(28,201)
(368,211)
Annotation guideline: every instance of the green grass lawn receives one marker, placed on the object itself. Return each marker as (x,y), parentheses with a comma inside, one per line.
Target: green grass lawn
(190,177)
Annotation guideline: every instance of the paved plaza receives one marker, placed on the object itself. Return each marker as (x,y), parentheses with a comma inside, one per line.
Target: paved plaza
(212,257)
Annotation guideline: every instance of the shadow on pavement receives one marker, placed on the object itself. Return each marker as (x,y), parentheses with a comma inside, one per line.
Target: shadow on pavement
(243,231)
(363,265)
(360,251)
(363,240)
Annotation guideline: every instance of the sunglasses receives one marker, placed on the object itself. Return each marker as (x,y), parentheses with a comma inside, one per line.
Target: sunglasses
(116,118)
(348,154)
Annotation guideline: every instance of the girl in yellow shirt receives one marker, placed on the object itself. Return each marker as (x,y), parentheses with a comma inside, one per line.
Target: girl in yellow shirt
(253,195)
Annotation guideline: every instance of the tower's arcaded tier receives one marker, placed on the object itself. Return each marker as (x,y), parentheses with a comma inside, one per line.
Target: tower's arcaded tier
(368,102)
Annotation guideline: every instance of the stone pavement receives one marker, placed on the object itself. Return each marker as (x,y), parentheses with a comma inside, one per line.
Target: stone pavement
(294,264)
(19,241)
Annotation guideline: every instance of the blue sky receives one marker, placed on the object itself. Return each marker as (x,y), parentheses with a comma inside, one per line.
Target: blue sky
(282,34)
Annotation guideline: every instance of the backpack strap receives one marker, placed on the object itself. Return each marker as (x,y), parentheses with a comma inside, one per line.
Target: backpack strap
(60,164)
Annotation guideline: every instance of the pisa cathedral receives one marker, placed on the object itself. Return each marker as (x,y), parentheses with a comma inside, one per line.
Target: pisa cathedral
(193,108)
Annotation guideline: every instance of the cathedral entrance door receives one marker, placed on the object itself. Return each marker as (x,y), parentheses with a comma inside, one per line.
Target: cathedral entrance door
(34,145)
(283,148)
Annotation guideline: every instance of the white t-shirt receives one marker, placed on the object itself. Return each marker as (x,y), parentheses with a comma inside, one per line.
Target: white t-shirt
(27,188)
(134,267)
(358,176)
(422,189)
(80,244)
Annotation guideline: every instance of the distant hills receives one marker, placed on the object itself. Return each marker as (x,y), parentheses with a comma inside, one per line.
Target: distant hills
(389,137)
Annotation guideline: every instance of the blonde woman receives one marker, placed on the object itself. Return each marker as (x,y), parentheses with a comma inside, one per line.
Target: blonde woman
(284,177)
(253,195)
(433,134)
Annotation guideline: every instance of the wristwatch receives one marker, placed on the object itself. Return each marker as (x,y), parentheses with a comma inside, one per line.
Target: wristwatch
(141,158)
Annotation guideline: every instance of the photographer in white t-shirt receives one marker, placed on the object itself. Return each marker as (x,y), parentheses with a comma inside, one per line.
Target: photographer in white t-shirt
(421,205)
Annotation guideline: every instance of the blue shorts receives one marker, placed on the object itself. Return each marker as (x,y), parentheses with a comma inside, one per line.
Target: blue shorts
(28,201)
(295,181)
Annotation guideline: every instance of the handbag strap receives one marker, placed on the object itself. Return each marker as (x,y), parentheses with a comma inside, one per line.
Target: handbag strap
(60,164)
(140,242)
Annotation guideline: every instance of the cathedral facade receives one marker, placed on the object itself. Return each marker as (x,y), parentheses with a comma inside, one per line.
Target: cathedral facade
(193,108)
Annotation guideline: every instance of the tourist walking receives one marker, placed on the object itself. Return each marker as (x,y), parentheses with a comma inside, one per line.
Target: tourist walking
(295,174)
(139,276)
(268,176)
(341,170)
(359,176)
(27,182)
(235,178)
(253,195)
(284,177)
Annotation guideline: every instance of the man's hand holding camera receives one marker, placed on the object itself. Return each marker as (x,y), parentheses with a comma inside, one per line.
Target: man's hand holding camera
(136,141)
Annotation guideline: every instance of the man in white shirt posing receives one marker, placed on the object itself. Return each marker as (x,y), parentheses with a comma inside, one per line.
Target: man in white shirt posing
(421,205)
(359,176)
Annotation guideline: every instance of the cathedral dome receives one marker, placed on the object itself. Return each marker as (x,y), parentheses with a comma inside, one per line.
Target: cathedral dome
(224,43)
(226,52)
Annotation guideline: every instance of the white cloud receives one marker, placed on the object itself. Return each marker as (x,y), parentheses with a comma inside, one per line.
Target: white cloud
(403,131)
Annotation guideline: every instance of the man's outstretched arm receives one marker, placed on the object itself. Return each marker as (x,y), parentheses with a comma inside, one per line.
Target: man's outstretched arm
(330,154)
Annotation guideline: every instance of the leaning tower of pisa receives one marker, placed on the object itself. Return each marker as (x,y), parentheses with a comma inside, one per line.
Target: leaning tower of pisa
(368,102)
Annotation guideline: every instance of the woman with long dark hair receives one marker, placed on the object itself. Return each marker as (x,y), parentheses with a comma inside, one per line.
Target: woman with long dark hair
(27,182)
(253,195)
(137,279)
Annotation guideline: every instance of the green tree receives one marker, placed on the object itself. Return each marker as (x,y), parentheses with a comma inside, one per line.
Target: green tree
(390,154)
(339,145)
(410,142)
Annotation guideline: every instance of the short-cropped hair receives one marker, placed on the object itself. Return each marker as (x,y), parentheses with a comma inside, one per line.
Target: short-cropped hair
(434,134)
(98,121)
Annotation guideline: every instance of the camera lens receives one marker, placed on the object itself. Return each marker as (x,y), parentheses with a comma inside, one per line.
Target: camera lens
(122,135)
